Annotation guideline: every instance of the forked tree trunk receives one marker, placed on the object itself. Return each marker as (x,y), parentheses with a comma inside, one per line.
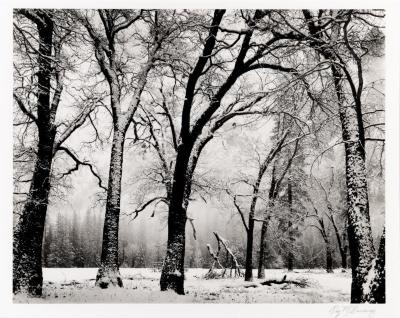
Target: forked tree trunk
(108,273)
(28,233)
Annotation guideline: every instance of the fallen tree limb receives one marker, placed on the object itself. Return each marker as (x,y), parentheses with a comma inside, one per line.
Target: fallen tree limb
(299,283)
(234,264)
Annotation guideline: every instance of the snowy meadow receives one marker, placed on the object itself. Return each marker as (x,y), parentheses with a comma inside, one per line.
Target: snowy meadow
(141,285)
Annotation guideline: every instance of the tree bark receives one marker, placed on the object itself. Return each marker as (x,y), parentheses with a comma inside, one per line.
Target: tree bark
(359,227)
(375,285)
(108,272)
(263,250)
(172,274)
(263,237)
(248,276)
(28,233)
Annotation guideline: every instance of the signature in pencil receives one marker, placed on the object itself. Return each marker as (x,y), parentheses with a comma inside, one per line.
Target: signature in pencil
(353,311)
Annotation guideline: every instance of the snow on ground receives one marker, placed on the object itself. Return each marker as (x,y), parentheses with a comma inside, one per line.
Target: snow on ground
(141,285)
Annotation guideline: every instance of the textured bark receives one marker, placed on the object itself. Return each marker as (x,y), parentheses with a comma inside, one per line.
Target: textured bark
(172,274)
(359,227)
(108,272)
(28,234)
(375,285)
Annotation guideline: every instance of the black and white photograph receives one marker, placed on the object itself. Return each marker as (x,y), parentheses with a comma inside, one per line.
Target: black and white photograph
(201,156)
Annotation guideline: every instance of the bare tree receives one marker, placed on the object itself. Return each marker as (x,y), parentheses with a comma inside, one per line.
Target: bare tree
(42,52)
(324,231)
(172,274)
(332,216)
(274,189)
(256,188)
(106,43)
(323,35)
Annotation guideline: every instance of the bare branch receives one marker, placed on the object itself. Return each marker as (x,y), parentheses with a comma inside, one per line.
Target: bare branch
(83,163)
(24,109)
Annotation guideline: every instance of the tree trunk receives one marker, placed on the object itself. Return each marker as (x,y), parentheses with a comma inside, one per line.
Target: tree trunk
(342,249)
(290,225)
(343,256)
(248,276)
(28,233)
(329,261)
(108,272)
(263,247)
(263,244)
(374,287)
(172,274)
(290,254)
(359,227)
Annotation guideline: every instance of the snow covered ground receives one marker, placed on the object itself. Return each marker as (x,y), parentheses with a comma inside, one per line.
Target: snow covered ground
(141,285)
